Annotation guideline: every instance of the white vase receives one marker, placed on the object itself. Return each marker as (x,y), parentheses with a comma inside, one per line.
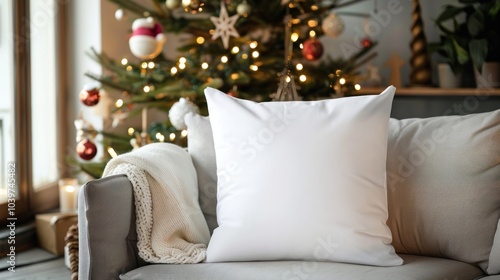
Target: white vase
(489,77)
(448,79)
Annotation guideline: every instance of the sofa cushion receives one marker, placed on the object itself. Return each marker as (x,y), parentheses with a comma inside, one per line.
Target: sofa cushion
(284,195)
(493,277)
(444,187)
(414,268)
(201,148)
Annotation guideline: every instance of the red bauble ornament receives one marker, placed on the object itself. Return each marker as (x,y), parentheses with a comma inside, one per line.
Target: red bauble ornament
(312,49)
(86,149)
(89,96)
(366,42)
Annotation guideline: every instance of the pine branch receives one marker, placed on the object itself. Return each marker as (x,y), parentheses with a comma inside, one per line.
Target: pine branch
(159,7)
(334,5)
(104,81)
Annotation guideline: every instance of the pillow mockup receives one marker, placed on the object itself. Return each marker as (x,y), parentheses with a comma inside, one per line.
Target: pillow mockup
(301,180)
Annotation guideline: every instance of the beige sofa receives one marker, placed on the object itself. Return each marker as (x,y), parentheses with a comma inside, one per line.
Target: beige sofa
(443,177)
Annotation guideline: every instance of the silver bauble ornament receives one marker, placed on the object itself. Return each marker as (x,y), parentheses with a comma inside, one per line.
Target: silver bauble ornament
(333,25)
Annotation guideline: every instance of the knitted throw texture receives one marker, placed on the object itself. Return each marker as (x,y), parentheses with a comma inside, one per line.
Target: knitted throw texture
(170,225)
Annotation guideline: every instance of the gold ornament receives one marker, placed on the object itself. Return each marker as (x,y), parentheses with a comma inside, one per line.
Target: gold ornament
(193,6)
(224,26)
(287,91)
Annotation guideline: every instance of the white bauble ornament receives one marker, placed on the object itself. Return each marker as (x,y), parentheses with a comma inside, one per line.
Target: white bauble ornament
(333,25)
(173,4)
(147,38)
(120,14)
(179,110)
(244,9)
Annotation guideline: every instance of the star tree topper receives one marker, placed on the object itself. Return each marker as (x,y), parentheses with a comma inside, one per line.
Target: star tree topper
(224,26)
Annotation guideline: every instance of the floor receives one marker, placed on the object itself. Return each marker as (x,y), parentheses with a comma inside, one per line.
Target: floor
(35,264)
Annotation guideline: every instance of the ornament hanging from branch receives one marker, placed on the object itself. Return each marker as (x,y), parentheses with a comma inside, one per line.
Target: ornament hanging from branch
(287,90)
(85,133)
(172,4)
(118,117)
(312,49)
(224,26)
(179,110)
(193,6)
(244,9)
(89,95)
(333,25)
(366,42)
(120,14)
(147,38)
(86,149)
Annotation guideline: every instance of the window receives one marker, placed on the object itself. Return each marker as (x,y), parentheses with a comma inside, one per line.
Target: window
(43,93)
(7,143)
(32,117)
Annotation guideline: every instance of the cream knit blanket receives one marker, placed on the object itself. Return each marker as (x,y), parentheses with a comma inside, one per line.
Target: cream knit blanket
(170,225)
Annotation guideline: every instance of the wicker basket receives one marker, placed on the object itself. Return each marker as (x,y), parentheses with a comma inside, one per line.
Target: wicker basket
(72,243)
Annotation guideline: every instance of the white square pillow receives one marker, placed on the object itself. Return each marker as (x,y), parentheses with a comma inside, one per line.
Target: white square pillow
(301,180)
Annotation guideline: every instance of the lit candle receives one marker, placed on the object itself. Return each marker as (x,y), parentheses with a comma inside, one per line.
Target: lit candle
(144,119)
(68,194)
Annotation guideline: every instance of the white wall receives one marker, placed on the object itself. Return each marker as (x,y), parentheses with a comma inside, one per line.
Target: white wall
(84,32)
(394,35)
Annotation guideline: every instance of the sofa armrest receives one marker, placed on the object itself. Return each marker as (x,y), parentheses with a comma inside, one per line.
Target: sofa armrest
(106,220)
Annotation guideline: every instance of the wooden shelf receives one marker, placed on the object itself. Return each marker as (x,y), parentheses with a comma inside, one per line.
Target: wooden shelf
(431,91)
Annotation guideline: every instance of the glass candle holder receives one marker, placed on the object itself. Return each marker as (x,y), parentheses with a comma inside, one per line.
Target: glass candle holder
(68,194)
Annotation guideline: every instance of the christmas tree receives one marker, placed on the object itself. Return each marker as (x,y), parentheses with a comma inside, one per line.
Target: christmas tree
(251,49)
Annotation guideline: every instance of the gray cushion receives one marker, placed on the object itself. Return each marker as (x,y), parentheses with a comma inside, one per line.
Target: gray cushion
(494,267)
(201,148)
(414,268)
(106,220)
(444,186)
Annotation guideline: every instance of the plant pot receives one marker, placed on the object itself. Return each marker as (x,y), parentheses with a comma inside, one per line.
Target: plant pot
(448,79)
(490,76)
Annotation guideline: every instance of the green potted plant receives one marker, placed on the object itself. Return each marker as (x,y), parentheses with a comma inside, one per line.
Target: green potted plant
(456,57)
(469,34)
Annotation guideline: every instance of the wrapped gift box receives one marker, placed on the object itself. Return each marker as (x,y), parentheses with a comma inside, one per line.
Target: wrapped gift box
(51,229)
